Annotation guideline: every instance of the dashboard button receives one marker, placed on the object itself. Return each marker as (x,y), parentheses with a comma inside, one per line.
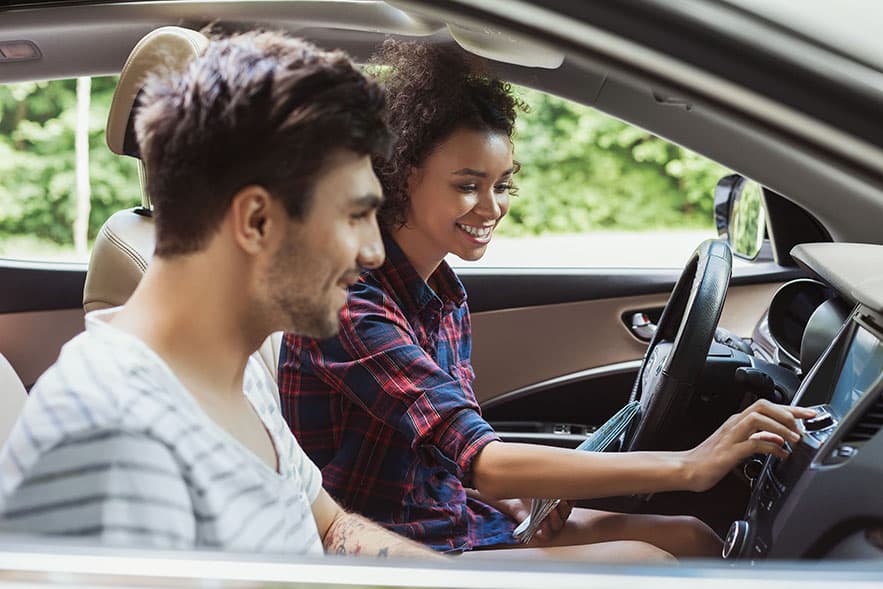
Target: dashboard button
(820,421)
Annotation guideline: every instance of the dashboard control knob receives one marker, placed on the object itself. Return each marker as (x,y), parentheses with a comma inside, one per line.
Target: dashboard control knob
(752,469)
(820,421)
(737,538)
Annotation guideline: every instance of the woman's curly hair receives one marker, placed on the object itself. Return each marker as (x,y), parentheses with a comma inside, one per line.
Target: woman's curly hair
(431,92)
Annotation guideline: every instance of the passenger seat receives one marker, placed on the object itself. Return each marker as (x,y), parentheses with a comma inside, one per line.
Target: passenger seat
(12,398)
(124,245)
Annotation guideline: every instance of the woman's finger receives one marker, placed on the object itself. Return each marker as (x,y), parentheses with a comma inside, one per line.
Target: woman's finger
(554,520)
(760,422)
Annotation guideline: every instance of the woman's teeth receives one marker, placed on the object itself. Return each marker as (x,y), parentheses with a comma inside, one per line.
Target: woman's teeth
(478,232)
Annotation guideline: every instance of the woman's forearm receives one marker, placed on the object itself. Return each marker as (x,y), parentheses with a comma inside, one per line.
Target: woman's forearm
(504,470)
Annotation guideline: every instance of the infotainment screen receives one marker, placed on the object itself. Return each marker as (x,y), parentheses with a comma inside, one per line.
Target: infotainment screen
(862,366)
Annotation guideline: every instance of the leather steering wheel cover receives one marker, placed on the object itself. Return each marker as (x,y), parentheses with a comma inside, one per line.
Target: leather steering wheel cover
(703,311)
(691,325)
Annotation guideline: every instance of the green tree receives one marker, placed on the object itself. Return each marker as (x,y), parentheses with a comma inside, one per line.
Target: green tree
(37,160)
(583,170)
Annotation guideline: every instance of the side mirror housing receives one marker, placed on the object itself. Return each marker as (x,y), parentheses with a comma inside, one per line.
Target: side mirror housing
(740,217)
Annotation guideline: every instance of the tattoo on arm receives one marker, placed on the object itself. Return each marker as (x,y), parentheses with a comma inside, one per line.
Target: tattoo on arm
(353,535)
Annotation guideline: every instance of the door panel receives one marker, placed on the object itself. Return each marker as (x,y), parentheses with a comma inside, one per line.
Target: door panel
(41,308)
(516,348)
(31,341)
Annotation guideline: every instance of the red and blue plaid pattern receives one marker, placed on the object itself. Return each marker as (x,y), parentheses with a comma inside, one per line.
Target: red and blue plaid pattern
(386,409)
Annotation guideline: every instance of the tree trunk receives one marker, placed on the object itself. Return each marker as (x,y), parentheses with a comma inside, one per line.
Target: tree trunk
(84,190)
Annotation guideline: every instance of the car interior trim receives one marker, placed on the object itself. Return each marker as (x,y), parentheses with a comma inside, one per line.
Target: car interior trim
(51,561)
(618,368)
(494,289)
(850,268)
(648,59)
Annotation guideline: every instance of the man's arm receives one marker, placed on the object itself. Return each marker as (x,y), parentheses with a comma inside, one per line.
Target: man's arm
(348,534)
(112,487)
(504,470)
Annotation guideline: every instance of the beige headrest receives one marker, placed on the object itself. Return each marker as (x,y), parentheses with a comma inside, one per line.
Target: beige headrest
(167,47)
(125,244)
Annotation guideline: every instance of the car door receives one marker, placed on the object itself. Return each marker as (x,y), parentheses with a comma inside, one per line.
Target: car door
(553,351)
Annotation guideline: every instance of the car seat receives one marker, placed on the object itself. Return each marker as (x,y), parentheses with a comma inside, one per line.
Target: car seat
(125,243)
(12,399)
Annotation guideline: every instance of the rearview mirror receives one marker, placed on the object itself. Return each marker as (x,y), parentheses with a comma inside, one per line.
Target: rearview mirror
(739,214)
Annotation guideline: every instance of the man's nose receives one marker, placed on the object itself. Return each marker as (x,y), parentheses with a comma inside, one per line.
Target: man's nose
(372,254)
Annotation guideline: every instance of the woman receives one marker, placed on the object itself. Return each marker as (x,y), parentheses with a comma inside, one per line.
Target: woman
(387,410)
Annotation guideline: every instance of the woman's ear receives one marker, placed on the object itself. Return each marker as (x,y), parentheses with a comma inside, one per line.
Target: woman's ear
(251,218)
(415,175)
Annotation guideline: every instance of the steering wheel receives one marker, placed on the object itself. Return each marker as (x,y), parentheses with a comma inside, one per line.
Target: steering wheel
(677,351)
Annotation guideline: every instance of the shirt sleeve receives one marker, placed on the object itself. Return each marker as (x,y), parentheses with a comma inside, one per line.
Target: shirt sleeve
(127,490)
(377,363)
(307,470)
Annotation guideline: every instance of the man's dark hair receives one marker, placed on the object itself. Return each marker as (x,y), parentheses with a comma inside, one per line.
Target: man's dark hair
(432,91)
(257,108)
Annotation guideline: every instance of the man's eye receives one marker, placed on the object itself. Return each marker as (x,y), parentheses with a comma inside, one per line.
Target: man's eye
(360,215)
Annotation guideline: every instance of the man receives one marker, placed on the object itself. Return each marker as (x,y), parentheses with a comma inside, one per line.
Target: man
(156,427)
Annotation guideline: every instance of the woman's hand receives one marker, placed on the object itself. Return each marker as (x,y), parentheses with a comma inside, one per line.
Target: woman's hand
(762,428)
(518,509)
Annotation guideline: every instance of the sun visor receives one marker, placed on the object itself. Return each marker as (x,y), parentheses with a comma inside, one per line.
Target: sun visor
(500,46)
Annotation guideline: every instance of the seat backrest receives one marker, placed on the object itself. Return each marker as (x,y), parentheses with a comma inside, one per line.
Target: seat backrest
(12,398)
(124,245)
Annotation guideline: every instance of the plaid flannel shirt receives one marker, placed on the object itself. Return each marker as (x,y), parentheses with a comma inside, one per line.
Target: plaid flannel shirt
(386,408)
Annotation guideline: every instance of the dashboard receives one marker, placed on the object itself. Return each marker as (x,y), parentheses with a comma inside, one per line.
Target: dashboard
(824,500)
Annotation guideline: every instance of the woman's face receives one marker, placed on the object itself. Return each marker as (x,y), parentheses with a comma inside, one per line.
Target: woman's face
(458,196)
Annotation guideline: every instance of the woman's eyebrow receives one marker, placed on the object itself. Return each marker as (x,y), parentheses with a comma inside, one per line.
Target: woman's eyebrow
(469,172)
(479,173)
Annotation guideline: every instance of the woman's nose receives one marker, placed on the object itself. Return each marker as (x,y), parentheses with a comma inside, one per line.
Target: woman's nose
(489,206)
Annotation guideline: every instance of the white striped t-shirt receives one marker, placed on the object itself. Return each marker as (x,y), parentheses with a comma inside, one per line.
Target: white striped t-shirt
(110,446)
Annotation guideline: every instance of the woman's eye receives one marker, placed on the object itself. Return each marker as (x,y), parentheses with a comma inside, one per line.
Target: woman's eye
(468,188)
(501,188)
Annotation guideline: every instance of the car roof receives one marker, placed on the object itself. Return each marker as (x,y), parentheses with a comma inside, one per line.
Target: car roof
(850,27)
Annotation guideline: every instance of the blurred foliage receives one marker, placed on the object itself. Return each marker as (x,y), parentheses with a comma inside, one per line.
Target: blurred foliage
(582,170)
(37,176)
(747,224)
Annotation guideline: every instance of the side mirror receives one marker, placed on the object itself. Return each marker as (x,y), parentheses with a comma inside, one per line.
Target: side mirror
(739,215)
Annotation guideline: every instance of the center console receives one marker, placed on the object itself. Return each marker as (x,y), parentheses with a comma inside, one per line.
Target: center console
(800,504)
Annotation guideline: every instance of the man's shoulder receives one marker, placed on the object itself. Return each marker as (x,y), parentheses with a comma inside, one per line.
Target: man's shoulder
(91,387)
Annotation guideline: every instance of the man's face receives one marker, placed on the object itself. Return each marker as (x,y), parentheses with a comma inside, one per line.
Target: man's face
(323,254)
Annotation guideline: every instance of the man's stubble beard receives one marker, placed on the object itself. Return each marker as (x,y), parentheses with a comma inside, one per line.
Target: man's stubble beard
(298,312)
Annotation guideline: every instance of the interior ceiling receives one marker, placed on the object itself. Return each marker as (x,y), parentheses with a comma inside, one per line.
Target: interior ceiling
(102,37)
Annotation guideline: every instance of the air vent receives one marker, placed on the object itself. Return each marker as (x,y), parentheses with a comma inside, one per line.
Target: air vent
(868,426)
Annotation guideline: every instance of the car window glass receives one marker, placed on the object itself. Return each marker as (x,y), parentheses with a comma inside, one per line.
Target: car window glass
(58,180)
(594,191)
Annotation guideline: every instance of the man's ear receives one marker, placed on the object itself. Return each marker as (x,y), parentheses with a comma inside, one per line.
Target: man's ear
(252,215)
